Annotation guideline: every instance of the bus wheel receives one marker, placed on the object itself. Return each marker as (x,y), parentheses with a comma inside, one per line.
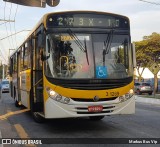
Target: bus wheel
(37,117)
(16,102)
(95,118)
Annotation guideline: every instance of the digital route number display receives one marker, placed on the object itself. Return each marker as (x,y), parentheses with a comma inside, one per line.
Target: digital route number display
(87,20)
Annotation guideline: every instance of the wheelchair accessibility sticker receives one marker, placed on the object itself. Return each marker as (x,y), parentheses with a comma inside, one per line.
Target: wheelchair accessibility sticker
(101,72)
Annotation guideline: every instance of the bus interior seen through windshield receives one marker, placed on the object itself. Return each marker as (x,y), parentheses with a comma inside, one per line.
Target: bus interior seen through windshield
(88,56)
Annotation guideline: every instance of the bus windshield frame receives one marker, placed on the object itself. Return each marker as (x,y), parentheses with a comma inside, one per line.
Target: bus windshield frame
(84,58)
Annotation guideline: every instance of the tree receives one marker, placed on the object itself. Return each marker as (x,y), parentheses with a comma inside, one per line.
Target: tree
(148,52)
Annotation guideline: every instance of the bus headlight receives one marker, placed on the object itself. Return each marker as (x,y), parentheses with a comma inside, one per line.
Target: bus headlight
(122,98)
(126,96)
(52,93)
(57,97)
(66,100)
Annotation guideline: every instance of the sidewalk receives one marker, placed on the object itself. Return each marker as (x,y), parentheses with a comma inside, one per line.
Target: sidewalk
(147,100)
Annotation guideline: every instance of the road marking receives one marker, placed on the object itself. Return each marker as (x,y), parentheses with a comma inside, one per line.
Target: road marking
(5,116)
(22,134)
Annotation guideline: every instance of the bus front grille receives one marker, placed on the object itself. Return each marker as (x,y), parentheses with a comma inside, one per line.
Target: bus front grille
(91,99)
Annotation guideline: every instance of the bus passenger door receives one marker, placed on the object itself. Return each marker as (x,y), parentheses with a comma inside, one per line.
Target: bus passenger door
(18,76)
(37,104)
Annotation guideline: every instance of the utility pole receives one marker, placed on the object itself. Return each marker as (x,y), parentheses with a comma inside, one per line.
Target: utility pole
(3,71)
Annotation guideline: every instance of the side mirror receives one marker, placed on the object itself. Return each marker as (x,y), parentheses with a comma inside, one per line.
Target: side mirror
(52,3)
(43,57)
(49,45)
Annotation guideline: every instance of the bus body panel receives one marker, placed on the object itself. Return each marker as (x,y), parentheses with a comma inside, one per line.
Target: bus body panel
(25,87)
(85,94)
(60,110)
(24,98)
(108,93)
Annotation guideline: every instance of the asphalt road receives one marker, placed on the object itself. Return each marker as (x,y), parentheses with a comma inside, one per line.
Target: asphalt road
(18,123)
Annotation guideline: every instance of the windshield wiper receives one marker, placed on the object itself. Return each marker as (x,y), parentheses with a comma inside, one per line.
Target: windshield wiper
(82,47)
(85,46)
(107,45)
(76,40)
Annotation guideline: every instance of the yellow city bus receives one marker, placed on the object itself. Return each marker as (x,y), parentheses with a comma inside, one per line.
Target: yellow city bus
(75,64)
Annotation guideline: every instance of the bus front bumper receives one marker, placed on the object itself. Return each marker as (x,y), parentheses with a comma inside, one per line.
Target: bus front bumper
(54,109)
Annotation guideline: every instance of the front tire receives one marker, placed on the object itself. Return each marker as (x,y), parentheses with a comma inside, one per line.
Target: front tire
(38,118)
(96,118)
(16,102)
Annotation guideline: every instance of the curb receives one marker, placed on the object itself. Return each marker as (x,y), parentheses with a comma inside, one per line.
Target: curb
(147,100)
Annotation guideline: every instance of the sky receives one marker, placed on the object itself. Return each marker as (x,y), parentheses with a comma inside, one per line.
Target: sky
(144,18)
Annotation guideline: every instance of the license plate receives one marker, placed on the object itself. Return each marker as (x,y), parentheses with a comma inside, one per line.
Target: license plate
(95,108)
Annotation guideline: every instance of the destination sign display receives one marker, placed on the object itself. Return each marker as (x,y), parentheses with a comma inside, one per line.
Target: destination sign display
(87,20)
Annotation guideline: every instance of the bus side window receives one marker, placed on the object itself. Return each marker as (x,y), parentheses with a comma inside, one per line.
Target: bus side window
(29,53)
(15,63)
(11,66)
(21,57)
(26,56)
(39,50)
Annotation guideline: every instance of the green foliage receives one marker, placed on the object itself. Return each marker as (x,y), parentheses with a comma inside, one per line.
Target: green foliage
(5,71)
(148,50)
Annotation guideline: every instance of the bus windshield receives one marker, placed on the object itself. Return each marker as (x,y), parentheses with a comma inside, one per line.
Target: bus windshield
(88,56)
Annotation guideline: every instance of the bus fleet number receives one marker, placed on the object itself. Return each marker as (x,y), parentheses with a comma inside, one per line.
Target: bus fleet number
(115,93)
